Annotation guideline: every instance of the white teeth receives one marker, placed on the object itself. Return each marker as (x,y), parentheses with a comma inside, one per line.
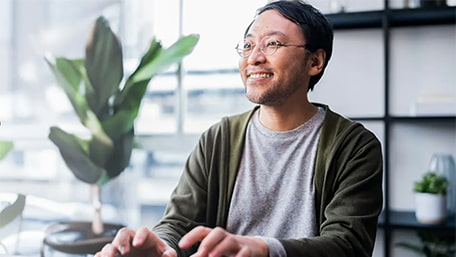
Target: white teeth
(260,75)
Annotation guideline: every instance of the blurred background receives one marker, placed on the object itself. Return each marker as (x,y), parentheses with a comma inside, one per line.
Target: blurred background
(393,71)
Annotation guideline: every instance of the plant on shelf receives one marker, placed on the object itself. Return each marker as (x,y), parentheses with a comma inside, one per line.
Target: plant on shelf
(430,196)
(107,104)
(432,183)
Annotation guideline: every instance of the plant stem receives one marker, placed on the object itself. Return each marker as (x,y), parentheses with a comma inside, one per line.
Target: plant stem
(97,222)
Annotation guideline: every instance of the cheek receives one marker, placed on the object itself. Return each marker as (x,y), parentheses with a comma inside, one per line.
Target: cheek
(242,63)
(295,66)
(242,66)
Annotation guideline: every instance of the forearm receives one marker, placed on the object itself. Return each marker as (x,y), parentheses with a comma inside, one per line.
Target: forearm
(187,205)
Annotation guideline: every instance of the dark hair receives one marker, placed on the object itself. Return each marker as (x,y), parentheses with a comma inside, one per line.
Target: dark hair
(316,29)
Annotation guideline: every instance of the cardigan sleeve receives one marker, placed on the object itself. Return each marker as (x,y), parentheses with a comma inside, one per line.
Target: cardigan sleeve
(186,208)
(351,199)
(196,199)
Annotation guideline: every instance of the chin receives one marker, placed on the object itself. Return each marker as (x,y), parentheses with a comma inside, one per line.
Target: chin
(259,100)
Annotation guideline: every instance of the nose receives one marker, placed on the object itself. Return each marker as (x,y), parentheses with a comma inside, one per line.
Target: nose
(257,56)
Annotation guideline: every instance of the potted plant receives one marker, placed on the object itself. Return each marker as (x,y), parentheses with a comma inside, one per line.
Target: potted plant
(430,198)
(107,104)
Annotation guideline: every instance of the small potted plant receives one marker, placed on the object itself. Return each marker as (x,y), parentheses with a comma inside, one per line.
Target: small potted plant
(430,198)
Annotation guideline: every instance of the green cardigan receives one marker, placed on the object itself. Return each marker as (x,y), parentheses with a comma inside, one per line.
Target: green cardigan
(347,177)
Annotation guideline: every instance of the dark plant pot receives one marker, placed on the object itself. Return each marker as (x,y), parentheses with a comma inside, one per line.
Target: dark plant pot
(76,237)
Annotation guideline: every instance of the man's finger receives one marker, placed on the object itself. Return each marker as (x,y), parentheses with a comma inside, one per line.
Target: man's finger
(144,238)
(212,241)
(141,235)
(226,246)
(122,240)
(108,251)
(244,252)
(195,235)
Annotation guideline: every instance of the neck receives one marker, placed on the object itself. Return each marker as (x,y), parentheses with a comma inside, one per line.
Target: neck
(286,117)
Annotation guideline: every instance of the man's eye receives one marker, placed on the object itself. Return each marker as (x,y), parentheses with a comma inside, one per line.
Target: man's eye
(274,43)
(247,45)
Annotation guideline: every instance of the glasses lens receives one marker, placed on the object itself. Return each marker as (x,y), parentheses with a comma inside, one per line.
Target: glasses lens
(244,48)
(269,45)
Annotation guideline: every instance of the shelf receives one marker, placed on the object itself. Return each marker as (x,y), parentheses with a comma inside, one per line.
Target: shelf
(406,118)
(423,16)
(384,21)
(396,18)
(423,118)
(371,19)
(360,118)
(407,220)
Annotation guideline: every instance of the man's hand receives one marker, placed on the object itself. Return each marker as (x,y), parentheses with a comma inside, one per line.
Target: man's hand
(143,242)
(219,243)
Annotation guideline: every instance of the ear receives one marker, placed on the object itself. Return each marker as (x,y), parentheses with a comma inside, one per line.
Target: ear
(317,61)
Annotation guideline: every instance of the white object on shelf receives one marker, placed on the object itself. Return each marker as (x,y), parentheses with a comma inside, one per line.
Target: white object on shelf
(412,3)
(438,105)
(430,208)
(337,6)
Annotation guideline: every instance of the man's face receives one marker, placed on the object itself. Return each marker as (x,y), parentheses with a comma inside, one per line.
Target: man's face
(282,76)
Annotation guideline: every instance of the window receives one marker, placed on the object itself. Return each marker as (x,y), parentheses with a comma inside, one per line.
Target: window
(180,103)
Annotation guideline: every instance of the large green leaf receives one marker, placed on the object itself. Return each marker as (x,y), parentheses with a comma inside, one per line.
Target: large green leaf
(10,212)
(121,155)
(152,52)
(103,63)
(89,91)
(69,79)
(165,58)
(5,147)
(156,59)
(100,150)
(120,123)
(132,100)
(75,156)
(70,73)
(96,128)
(154,48)
(129,100)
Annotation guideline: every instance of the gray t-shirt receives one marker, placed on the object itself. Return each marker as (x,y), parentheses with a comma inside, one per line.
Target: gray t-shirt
(274,195)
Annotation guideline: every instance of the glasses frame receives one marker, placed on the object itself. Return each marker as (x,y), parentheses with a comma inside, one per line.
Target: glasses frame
(241,51)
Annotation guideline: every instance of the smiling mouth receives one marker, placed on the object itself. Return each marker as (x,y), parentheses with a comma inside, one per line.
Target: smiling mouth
(260,75)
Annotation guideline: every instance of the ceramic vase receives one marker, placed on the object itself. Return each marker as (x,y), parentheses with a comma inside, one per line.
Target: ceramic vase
(442,163)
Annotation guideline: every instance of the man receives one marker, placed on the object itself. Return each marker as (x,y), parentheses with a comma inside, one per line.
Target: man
(288,178)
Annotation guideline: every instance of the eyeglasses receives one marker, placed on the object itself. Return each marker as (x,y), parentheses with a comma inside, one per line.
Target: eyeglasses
(268,46)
